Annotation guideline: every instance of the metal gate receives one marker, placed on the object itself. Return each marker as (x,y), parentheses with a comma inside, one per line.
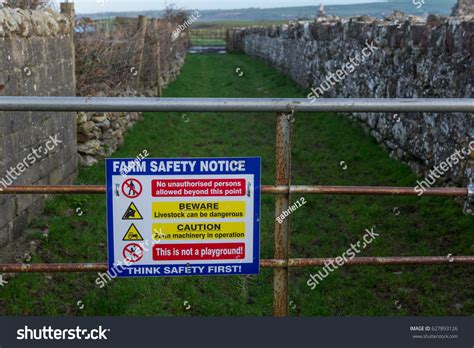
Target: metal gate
(285,112)
(208,39)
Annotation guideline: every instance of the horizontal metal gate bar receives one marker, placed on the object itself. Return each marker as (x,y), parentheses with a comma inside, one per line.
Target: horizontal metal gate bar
(264,263)
(285,109)
(235,104)
(275,189)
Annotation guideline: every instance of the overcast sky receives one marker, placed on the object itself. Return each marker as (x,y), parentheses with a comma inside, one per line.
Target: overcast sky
(93,6)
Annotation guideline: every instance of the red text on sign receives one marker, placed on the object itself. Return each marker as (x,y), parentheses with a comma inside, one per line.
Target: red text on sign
(202,251)
(198,187)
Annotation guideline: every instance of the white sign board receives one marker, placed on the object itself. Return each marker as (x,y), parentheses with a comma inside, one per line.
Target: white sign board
(183,216)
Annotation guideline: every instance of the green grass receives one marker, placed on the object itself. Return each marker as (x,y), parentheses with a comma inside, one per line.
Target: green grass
(325,226)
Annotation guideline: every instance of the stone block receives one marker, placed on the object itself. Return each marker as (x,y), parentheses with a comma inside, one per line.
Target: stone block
(37,65)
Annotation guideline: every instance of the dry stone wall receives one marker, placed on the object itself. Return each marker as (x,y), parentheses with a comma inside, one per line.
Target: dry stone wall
(36,59)
(413,58)
(100,134)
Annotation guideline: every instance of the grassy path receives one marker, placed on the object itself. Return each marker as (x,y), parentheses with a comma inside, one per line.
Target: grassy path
(325,226)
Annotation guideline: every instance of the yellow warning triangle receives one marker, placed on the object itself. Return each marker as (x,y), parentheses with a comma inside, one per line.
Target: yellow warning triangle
(132,213)
(132,234)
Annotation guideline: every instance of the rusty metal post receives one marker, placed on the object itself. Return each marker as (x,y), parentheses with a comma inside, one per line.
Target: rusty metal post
(282,202)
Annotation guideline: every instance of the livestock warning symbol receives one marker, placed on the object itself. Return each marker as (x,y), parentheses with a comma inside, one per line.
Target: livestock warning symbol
(132,213)
(132,234)
(132,188)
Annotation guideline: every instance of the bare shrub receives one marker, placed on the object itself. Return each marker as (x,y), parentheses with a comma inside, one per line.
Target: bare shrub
(174,14)
(108,54)
(104,59)
(29,4)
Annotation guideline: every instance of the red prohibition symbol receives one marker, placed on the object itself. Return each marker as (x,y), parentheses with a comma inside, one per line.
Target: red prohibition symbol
(133,252)
(132,188)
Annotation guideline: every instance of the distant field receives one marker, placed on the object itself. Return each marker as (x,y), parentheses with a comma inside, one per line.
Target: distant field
(206,41)
(214,33)
(234,23)
(258,15)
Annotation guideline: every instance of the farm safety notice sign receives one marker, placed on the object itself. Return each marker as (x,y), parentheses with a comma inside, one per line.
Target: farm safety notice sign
(183,216)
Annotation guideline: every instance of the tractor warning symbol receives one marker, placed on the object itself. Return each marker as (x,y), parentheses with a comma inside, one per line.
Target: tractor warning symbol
(132,234)
(132,213)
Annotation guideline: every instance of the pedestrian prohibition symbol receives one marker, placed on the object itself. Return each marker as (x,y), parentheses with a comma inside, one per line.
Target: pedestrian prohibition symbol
(132,188)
